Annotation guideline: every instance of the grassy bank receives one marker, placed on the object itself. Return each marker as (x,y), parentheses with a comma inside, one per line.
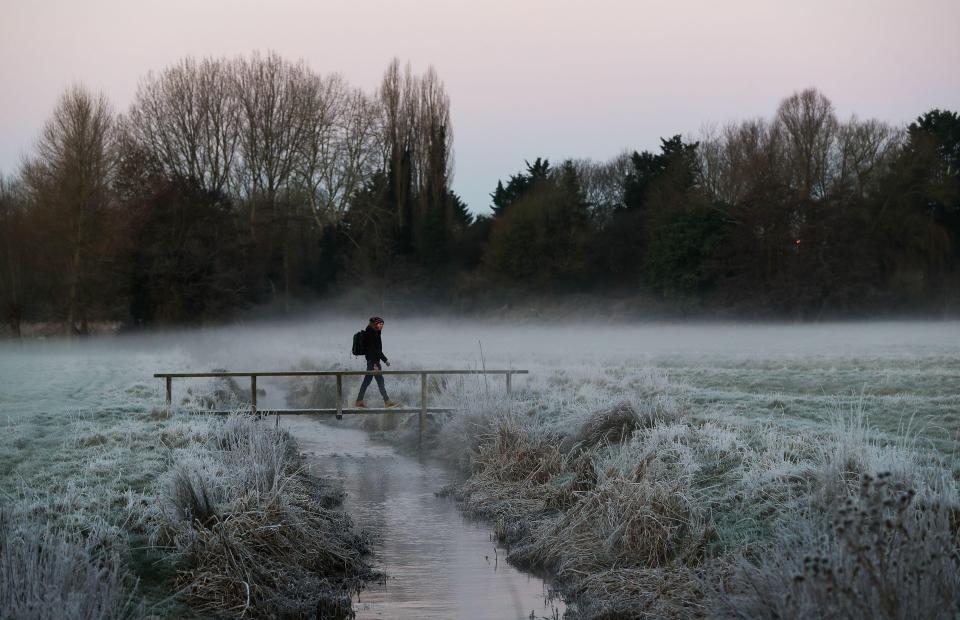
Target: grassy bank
(642,510)
(645,505)
(124,514)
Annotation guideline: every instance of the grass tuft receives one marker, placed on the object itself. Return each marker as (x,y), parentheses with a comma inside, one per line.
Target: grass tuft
(252,533)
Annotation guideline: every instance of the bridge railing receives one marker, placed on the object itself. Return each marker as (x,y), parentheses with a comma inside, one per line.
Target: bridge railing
(168,377)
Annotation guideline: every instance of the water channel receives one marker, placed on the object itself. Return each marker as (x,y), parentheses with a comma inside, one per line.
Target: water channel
(439,564)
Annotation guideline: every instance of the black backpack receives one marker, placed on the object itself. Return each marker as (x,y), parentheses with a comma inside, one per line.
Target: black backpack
(359,343)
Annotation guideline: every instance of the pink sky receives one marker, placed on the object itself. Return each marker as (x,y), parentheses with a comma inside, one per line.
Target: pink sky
(527,78)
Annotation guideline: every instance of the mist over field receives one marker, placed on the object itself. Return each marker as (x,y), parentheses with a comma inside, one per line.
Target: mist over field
(796,376)
(901,368)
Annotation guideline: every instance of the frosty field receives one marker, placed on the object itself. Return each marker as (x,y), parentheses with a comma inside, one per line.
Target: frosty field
(723,413)
(795,376)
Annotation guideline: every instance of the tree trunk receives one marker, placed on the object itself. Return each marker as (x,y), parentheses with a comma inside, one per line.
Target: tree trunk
(72,294)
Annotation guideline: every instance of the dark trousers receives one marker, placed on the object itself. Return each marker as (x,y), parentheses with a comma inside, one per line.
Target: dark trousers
(372,365)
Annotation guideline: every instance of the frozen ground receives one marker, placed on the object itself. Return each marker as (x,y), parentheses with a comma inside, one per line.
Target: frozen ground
(73,416)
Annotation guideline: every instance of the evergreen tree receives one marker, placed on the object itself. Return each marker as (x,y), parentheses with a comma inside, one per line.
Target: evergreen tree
(519,184)
(655,178)
(543,239)
(933,151)
(370,228)
(676,163)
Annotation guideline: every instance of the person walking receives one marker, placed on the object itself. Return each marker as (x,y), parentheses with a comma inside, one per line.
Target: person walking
(373,351)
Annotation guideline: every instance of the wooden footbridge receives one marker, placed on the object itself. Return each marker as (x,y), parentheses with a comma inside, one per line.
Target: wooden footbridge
(339,410)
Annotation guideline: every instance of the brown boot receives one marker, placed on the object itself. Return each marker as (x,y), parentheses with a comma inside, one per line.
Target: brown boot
(389,404)
(360,405)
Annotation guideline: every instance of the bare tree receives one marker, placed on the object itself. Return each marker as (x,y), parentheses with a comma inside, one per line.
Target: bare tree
(291,146)
(810,126)
(361,150)
(863,148)
(276,103)
(341,148)
(188,116)
(435,133)
(69,180)
(418,137)
(742,159)
(435,168)
(712,161)
(602,183)
(399,99)
(283,110)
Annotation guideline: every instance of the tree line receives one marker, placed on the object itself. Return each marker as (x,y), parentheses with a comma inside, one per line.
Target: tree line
(230,183)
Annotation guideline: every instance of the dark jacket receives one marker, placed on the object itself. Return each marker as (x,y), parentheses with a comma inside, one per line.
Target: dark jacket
(373,345)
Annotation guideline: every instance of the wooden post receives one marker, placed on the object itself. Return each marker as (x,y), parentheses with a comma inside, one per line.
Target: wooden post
(169,391)
(509,376)
(423,409)
(253,393)
(276,423)
(339,397)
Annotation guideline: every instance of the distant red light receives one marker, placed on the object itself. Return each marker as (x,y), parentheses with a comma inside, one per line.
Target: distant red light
(797,242)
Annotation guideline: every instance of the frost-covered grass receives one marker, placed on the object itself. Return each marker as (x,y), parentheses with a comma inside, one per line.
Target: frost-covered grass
(657,470)
(61,570)
(135,510)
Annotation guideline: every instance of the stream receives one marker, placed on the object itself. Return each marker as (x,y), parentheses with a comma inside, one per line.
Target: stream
(438,563)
